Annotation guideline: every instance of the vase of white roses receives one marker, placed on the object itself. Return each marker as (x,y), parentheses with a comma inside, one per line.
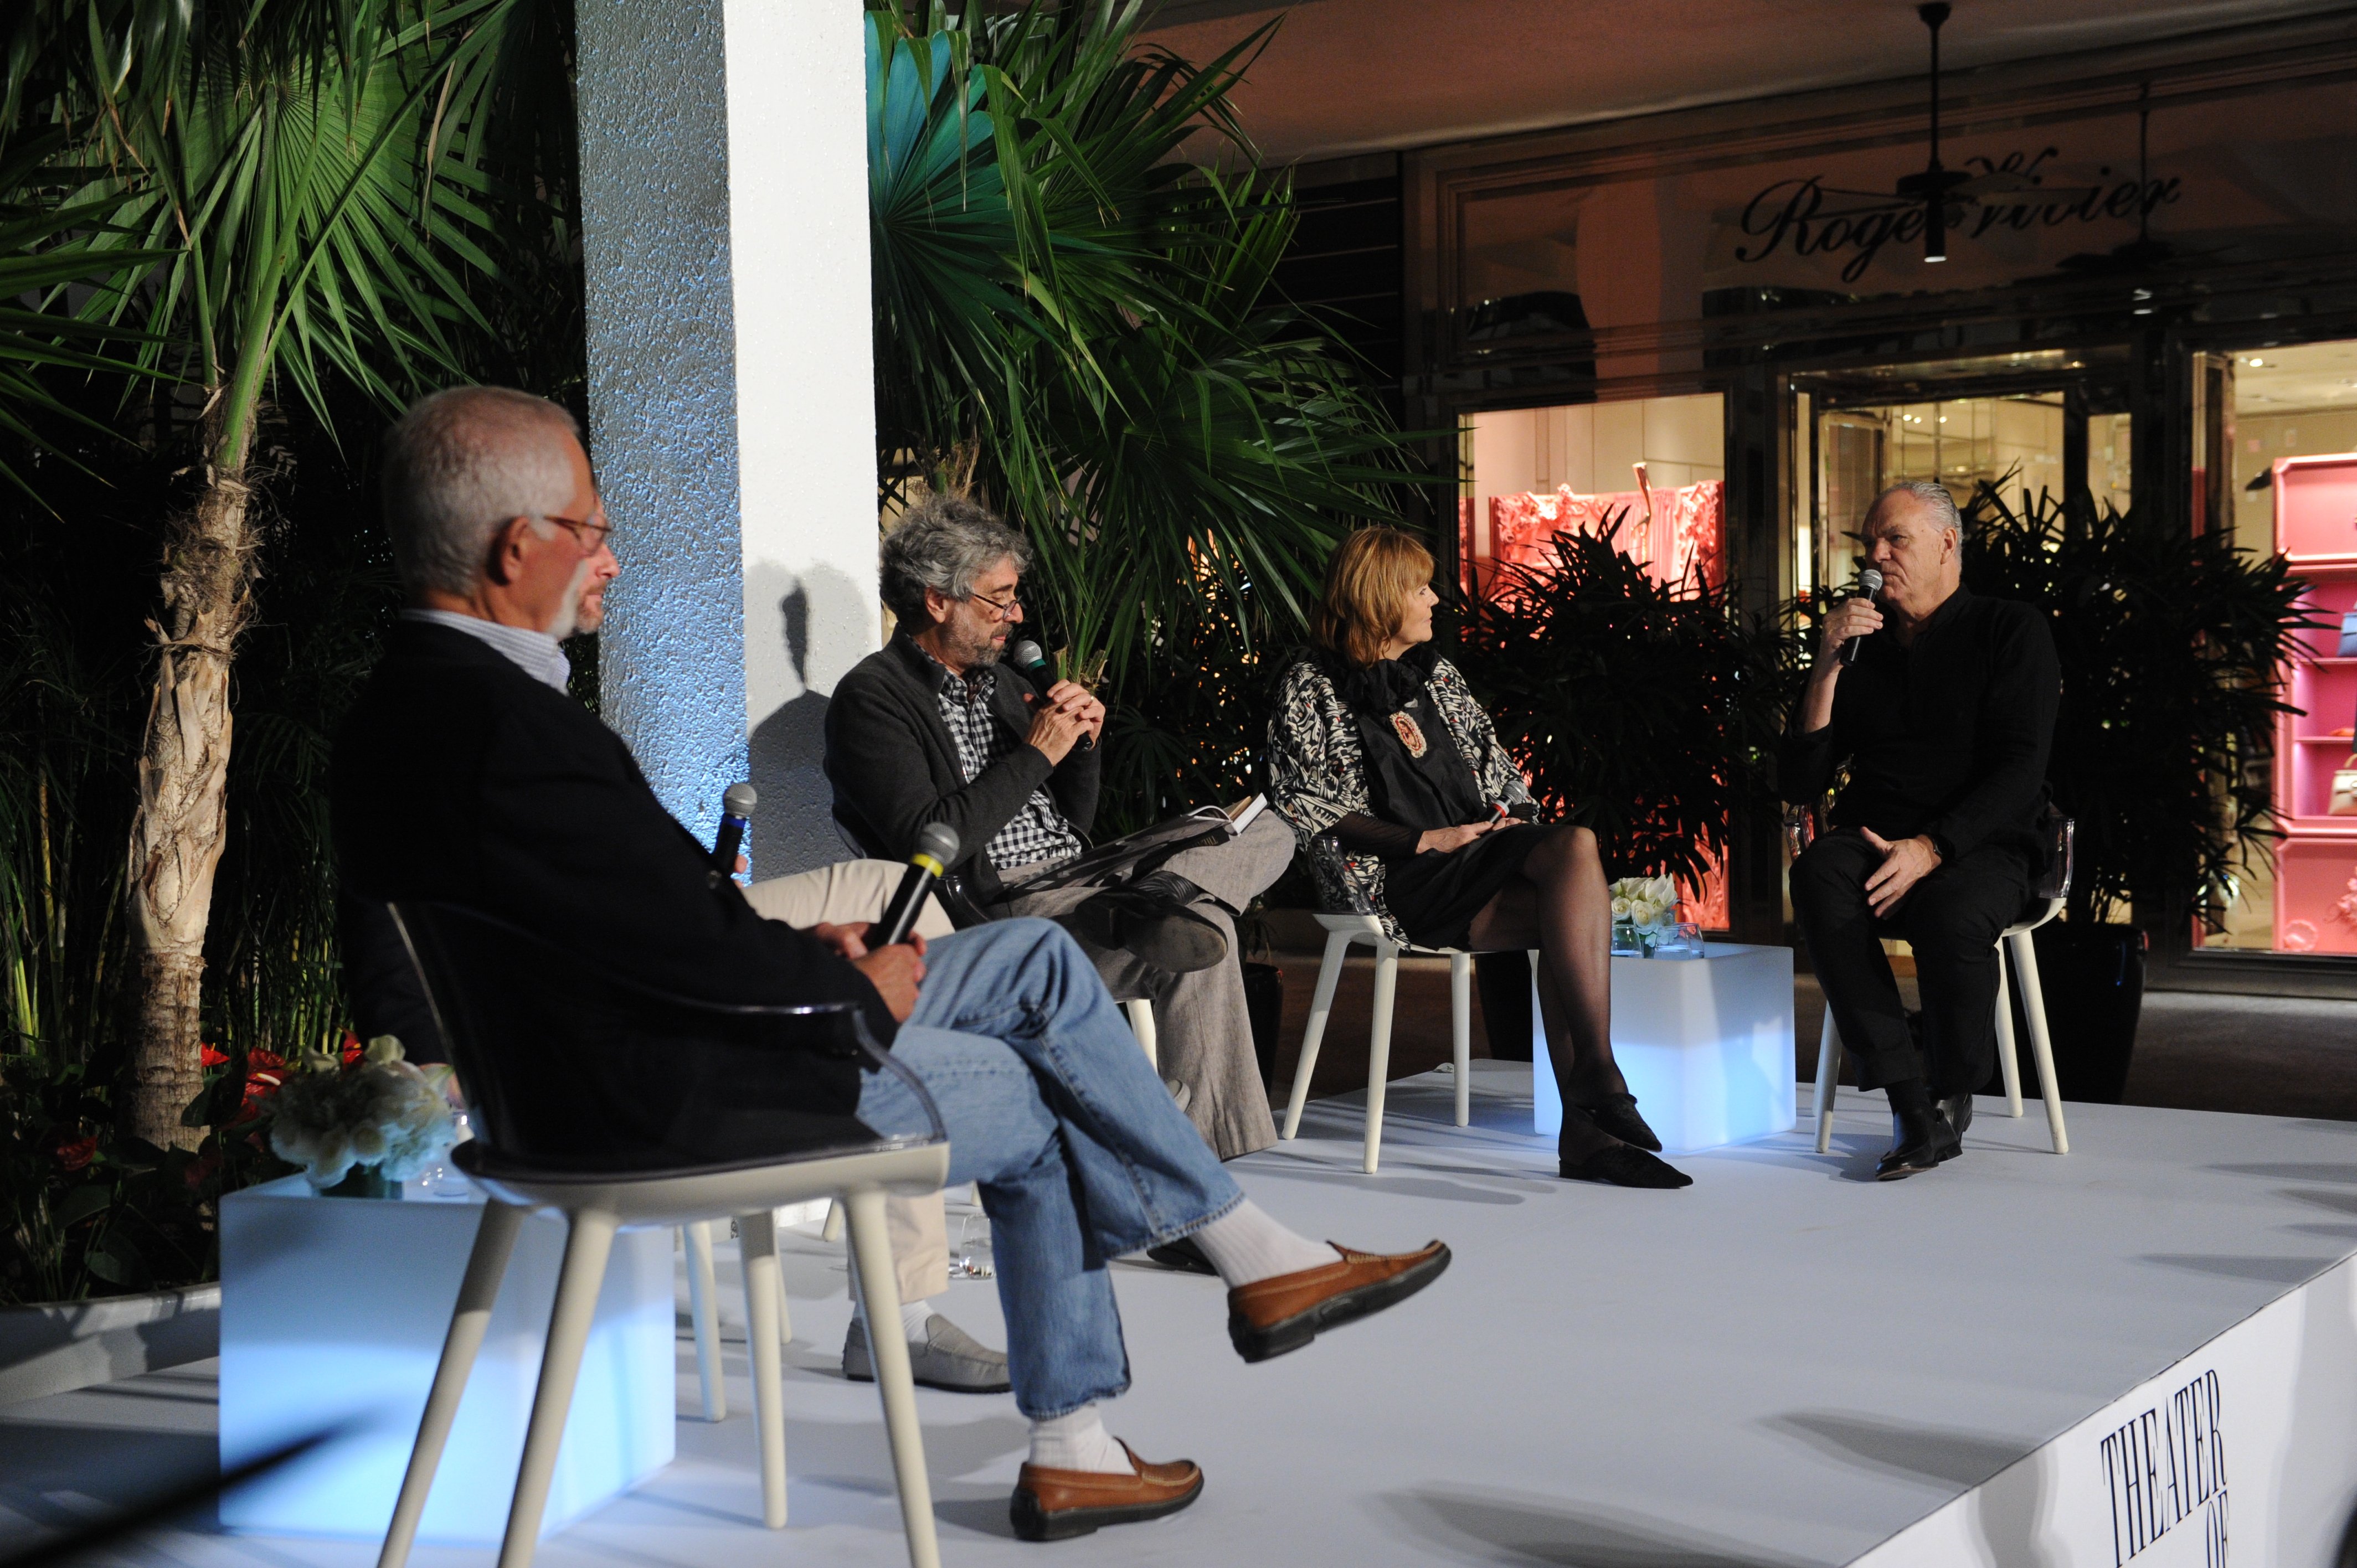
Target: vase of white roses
(361,1127)
(1644,914)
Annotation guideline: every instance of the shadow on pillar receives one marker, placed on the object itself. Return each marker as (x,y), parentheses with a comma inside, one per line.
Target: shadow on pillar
(785,756)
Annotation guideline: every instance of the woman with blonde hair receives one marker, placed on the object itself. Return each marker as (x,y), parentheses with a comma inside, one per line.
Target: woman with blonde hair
(1377,743)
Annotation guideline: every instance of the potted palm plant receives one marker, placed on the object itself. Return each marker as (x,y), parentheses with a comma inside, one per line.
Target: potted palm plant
(2169,644)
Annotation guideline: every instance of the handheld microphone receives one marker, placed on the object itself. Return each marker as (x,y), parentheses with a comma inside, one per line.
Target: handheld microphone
(1026,656)
(735,817)
(936,848)
(1869,582)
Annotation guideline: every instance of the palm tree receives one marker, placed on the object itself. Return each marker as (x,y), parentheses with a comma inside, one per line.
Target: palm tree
(1078,321)
(287,193)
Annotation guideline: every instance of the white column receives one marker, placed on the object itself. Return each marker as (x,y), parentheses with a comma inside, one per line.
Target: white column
(731,402)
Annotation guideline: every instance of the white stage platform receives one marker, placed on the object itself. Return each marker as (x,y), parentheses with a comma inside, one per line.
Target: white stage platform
(1784,1364)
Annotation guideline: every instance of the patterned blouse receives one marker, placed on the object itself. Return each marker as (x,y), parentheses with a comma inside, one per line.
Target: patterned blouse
(1317,773)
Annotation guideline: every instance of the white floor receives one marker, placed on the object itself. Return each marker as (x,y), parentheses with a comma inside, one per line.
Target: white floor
(1784,1364)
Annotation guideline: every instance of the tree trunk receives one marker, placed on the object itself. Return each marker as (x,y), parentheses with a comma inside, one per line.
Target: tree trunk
(176,837)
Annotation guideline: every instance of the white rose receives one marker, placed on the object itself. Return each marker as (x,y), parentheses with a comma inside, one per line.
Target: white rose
(1662,890)
(1621,906)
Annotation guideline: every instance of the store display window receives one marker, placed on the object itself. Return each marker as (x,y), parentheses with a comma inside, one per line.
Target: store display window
(2293,485)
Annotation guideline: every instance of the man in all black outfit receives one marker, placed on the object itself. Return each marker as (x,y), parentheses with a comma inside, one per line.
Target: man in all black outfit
(465,775)
(1944,721)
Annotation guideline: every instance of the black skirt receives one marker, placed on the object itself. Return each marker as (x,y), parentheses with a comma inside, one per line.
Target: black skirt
(1436,896)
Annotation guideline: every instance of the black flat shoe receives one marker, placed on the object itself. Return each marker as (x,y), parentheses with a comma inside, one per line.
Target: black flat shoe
(1617,1114)
(1620,1165)
(1182,1255)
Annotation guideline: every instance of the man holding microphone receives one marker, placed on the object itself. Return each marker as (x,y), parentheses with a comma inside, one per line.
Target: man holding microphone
(1943,715)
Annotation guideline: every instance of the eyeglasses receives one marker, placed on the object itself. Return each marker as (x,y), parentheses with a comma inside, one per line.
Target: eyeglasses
(590,540)
(1007,608)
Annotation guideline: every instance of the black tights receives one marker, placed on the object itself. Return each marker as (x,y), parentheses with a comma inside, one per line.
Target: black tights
(1559,905)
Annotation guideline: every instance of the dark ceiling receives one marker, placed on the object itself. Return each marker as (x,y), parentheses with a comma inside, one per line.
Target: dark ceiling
(1353,76)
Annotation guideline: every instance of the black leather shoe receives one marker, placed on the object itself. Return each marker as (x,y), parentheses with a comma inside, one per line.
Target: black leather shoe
(1149,919)
(1183,1255)
(1958,1110)
(1617,1114)
(1620,1165)
(1917,1149)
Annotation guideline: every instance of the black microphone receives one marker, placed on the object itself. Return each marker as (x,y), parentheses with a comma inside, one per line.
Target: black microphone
(1026,656)
(1869,582)
(936,848)
(735,817)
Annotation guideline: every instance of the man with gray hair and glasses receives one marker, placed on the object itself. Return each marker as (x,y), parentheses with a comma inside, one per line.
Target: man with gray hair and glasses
(936,728)
(1943,718)
(465,775)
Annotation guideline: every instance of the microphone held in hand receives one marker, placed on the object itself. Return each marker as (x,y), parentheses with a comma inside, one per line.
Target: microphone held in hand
(937,847)
(1032,664)
(1869,582)
(736,818)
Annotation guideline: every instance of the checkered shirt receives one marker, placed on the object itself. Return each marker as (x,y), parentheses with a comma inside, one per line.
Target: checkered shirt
(1038,832)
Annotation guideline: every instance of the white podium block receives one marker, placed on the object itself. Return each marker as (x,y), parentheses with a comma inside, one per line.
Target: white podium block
(1705,1044)
(333,1312)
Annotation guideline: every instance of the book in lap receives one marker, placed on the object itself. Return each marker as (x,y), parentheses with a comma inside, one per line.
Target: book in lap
(1136,854)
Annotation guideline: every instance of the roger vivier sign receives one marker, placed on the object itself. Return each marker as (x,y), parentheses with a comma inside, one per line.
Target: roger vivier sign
(2013,194)
(2164,1469)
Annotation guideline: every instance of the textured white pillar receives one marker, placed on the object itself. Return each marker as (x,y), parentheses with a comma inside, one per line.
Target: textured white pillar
(731,404)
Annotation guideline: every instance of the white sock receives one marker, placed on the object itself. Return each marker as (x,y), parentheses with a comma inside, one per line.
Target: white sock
(913,1319)
(1244,1244)
(1078,1441)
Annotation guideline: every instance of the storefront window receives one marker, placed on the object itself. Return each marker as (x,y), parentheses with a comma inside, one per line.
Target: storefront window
(2293,488)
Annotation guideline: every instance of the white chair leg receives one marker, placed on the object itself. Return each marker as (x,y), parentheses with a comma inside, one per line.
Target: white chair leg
(1379,1048)
(1829,1055)
(1141,1024)
(2007,1063)
(880,1288)
(1321,1005)
(2042,1049)
(700,1300)
(832,1231)
(756,1236)
(1460,1031)
(591,1240)
(487,1264)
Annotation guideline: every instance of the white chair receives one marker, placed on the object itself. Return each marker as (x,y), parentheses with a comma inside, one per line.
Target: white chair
(467,962)
(2054,888)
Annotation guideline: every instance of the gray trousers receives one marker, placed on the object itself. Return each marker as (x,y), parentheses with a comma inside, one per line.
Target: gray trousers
(1202,1031)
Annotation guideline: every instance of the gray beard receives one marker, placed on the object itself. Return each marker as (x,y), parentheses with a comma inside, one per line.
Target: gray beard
(567,619)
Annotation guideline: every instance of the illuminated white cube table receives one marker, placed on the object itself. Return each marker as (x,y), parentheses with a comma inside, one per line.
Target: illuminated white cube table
(333,1311)
(1705,1044)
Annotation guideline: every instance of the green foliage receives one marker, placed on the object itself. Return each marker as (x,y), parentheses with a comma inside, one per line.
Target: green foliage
(2169,645)
(1644,711)
(1078,324)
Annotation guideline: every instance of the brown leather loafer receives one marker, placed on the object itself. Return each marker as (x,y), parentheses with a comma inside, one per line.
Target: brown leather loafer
(1052,1505)
(1270,1316)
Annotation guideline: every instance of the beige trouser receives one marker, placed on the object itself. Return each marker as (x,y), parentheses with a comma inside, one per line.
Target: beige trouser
(841,894)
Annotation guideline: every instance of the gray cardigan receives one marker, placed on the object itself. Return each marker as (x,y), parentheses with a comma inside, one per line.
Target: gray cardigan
(895,768)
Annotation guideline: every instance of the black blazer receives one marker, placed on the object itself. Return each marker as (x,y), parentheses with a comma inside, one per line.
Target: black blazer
(460,779)
(894,768)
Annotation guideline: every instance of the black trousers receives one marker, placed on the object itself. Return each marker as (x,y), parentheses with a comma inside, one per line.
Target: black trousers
(1953,920)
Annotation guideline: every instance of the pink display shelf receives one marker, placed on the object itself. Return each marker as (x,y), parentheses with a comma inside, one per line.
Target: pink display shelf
(2316,508)
(2316,893)
(2307,751)
(2316,865)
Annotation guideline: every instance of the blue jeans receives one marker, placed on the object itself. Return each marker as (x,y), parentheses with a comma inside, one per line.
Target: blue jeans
(1054,1111)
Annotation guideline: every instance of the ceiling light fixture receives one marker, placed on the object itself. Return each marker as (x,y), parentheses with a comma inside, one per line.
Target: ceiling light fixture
(1934,177)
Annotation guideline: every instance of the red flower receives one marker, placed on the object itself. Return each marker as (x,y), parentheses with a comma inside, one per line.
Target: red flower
(271,1061)
(202,1168)
(75,1154)
(212,1058)
(353,1049)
